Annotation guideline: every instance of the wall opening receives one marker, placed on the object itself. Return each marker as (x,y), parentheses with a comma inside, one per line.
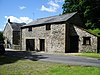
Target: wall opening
(74,44)
(30,29)
(98,45)
(30,44)
(48,27)
(86,40)
(42,44)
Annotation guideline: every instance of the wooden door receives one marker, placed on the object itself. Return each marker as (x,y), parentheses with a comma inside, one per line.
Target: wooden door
(30,44)
(42,45)
(74,44)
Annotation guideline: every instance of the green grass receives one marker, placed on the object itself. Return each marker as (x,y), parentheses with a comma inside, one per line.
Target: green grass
(17,66)
(93,55)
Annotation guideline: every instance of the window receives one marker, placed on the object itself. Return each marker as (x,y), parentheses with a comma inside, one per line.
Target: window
(30,29)
(48,27)
(86,40)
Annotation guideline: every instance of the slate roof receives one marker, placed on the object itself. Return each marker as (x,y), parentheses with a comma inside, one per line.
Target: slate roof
(53,19)
(16,26)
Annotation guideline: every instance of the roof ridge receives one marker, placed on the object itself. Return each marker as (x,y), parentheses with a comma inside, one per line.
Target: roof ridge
(52,19)
(54,16)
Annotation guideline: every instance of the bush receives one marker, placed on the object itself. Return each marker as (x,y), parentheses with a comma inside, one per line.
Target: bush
(2,49)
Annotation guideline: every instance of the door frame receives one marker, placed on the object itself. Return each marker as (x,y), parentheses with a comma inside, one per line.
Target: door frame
(74,44)
(30,44)
(42,44)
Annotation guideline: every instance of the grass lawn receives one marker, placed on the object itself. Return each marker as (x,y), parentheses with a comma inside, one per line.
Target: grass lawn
(93,55)
(17,66)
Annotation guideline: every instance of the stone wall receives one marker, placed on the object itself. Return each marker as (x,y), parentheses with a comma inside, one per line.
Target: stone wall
(58,38)
(16,47)
(16,37)
(8,35)
(82,33)
(54,38)
(12,38)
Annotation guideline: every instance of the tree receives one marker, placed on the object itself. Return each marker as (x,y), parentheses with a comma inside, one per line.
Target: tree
(2,49)
(1,37)
(89,10)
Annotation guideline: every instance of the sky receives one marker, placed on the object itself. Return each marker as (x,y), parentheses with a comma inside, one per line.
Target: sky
(28,10)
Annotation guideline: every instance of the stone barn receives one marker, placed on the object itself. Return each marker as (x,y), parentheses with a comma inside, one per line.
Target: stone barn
(58,34)
(11,35)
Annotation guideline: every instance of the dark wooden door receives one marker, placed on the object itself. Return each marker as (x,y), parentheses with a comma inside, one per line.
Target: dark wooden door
(74,44)
(42,45)
(30,44)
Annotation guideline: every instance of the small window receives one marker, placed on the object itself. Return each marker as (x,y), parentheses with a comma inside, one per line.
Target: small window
(30,29)
(86,40)
(48,27)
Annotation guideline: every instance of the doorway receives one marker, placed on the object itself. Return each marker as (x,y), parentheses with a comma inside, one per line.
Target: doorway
(98,45)
(30,44)
(42,44)
(74,42)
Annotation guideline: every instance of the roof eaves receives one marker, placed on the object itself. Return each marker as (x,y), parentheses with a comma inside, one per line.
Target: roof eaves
(42,24)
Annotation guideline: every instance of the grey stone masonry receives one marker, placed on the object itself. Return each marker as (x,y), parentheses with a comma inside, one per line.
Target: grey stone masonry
(54,38)
(82,33)
(8,35)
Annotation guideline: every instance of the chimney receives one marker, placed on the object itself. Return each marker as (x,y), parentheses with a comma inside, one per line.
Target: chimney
(9,20)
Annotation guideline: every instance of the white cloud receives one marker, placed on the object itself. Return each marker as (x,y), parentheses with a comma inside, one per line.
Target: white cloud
(22,7)
(52,7)
(59,1)
(19,20)
(53,4)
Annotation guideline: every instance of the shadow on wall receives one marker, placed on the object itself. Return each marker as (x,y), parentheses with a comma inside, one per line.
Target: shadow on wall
(73,40)
(14,56)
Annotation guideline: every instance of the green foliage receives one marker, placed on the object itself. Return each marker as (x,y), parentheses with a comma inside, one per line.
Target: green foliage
(95,31)
(89,25)
(89,10)
(70,6)
(1,36)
